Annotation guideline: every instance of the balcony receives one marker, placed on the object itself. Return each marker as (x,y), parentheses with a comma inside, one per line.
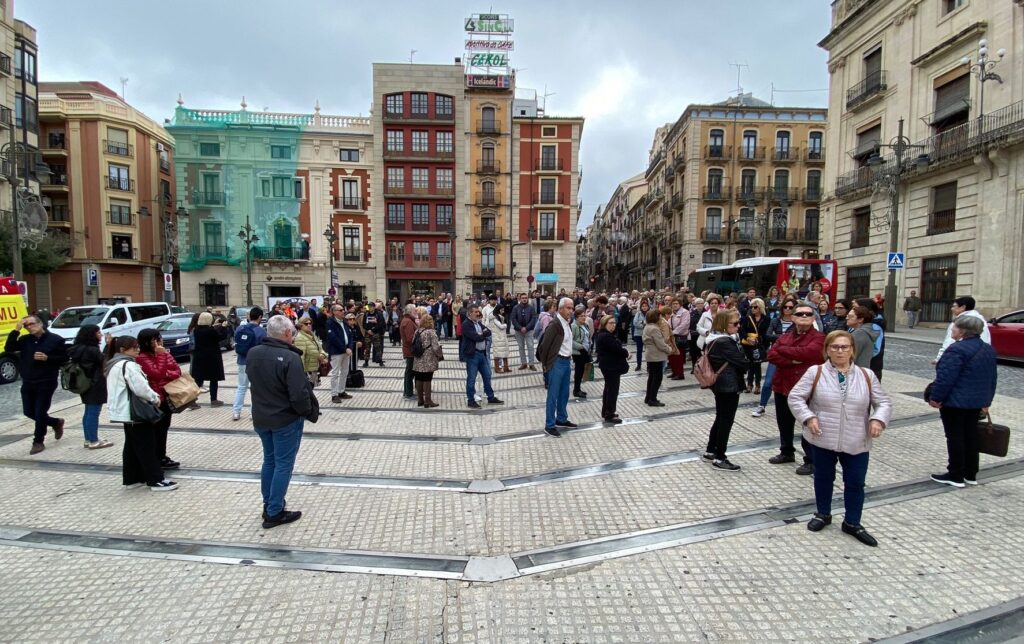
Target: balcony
(420,193)
(677,201)
(55,145)
(209,252)
(655,197)
(5,64)
(750,153)
(208,199)
(119,149)
(60,213)
(812,194)
(814,155)
(785,155)
(549,198)
(717,153)
(487,234)
(341,202)
(670,174)
(716,193)
(418,264)
(488,128)
(165,165)
(350,255)
(547,165)
(58,182)
(675,239)
(280,253)
(122,252)
(120,217)
(439,156)
(421,226)
(713,234)
(550,234)
(123,185)
(487,198)
(491,270)
(488,167)
(782,194)
(750,194)
(942,221)
(678,161)
(419,117)
(872,85)
(666,209)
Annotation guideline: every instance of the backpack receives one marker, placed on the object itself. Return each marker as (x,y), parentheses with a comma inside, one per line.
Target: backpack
(245,339)
(417,349)
(703,371)
(73,378)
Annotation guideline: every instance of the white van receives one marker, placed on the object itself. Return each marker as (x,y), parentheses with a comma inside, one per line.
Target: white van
(115,319)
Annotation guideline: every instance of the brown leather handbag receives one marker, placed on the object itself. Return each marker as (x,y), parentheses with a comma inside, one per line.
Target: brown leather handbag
(993,439)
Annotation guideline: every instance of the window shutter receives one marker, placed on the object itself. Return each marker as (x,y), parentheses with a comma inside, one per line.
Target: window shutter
(952,98)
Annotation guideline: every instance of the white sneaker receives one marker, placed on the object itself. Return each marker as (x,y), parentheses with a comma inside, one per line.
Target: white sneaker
(164,486)
(235,416)
(757,413)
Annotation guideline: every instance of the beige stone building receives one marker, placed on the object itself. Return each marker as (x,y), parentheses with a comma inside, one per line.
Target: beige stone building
(958,191)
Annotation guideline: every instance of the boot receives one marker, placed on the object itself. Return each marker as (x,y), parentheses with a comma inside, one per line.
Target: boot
(497,366)
(507,369)
(427,401)
(419,393)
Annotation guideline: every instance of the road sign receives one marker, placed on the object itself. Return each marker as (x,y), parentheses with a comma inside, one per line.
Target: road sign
(168,282)
(529,278)
(895,261)
(332,291)
(334,278)
(93,276)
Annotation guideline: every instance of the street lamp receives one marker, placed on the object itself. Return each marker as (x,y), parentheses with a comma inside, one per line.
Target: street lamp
(530,232)
(248,237)
(168,226)
(771,219)
(452,235)
(982,69)
(892,177)
(12,154)
(332,238)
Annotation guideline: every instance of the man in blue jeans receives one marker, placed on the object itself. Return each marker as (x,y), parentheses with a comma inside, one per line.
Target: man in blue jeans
(280,405)
(247,336)
(473,351)
(555,355)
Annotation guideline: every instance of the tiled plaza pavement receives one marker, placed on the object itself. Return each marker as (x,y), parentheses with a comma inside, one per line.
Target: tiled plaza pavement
(609,534)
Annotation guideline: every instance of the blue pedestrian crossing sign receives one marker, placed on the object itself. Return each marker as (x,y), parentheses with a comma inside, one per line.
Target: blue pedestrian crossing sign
(895,261)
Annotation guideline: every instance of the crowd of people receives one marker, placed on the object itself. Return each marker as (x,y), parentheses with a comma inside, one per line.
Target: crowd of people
(820,363)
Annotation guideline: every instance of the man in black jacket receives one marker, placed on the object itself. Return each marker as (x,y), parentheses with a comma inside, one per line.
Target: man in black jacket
(280,406)
(523,320)
(473,351)
(42,354)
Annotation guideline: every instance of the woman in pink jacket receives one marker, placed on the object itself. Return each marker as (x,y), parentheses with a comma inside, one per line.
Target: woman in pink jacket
(841,407)
(680,323)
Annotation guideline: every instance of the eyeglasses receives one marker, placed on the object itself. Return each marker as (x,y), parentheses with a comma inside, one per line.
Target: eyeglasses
(803,314)
(840,347)
(734,324)
(787,308)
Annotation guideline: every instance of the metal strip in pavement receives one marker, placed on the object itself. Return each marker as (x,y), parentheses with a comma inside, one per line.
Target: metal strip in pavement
(1001,623)
(486,486)
(506,566)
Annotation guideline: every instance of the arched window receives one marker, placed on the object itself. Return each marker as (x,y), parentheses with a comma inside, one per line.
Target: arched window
(778,252)
(487,157)
(815,147)
(745,253)
(487,122)
(748,181)
(780,186)
(714,190)
(782,144)
(712,257)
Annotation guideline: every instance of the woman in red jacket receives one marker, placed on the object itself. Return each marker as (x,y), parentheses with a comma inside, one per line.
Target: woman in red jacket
(160,368)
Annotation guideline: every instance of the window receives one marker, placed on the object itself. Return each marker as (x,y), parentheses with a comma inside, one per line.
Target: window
(121,247)
(165,188)
(396,215)
(346,154)
(780,185)
(715,176)
(952,5)
(860,231)
(547,190)
(420,178)
(858,282)
(396,142)
(711,257)
(207,149)
(420,250)
(212,293)
(487,257)
(547,260)
(420,216)
(282,186)
(488,191)
(547,225)
(211,188)
(265,187)
(749,144)
(488,227)
(117,142)
(396,251)
(444,252)
(396,178)
(952,103)
(716,143)
(394,105)
(25,65)
(548,157)
(782,145)
(280,152)
(745,253)
(942,218)
(350,194)
(443,105)
(748,182)
(418,104)
(120,213)
(549,131)
(444,178)
(444,142)
(780,220)
(815,146)
(118,178)
(746,224)
(713,224)
(487,122)
(867,143)
(420,140)
(213,235)
(811,224)
(26,113)
(351,246)
(443,216)
(299,188)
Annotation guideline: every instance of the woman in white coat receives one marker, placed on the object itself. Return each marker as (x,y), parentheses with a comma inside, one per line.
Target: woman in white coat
(141,463)
(707,318)
(499,346)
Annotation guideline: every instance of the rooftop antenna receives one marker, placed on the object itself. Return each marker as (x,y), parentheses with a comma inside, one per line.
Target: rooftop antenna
(412,52)
(124,83)
(544,96)
(739,69)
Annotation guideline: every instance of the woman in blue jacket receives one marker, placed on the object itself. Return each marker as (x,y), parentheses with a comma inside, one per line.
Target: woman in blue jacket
(965,384)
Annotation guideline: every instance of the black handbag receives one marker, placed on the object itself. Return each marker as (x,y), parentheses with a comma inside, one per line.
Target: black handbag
(141,411)
(993,439)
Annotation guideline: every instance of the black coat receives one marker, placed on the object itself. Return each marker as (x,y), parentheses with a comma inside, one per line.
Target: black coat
(730,381)
(90,358)
(38,371)
(207,363)
(612,357)
(748,326)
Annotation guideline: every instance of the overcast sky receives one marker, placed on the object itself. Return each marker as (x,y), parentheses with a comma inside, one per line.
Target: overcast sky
(627,68)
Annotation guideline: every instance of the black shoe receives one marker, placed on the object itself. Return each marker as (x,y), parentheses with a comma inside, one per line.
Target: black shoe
(947,479)
(637,368)
(860,533)
(779,459)
(474,404)
(283,517)
(345,396)
(725,465)
(579,394)
(169,464)
(566,423)
(614,420)
(495,401)
(819,521)
(708,456)
(366,363)
(655,403)
(265,517)
(335,399)
(806,469)
(553,431)
(58,430)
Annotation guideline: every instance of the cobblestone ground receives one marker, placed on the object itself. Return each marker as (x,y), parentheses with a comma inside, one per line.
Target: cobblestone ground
(465,526)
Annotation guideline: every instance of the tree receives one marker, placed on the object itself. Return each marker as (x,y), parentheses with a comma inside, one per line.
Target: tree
(46,257)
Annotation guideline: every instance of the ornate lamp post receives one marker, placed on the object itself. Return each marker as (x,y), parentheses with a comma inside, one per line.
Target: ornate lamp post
(452,236)
(248,237)
(14,154)
(332,239)
(983,70)
(169,227)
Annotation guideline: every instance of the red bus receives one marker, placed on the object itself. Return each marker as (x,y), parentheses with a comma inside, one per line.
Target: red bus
(790,274)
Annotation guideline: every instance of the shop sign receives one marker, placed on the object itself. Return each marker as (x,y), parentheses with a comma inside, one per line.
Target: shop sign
(490,45)
(487,81)
(489,23)
(489,60)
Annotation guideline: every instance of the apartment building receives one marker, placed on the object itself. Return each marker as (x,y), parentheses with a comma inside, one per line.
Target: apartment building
(614,235)
(111,191)
(910,68)
(286,183)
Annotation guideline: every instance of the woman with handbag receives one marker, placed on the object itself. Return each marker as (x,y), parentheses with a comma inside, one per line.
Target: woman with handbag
(728,361)
(86,353)
(160,368)
(841,407)
(424,365)
(207,363)
(133,402)
(964,386)
(313,356)
(753,333)
(613,360)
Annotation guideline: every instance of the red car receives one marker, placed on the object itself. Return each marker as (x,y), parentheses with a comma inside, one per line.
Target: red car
(1008,335)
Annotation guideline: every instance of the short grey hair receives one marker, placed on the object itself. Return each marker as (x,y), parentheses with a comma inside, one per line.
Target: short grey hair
(969,325)
(410,309)
(277,326)
(566,301)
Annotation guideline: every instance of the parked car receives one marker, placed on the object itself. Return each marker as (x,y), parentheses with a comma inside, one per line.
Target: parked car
(174,331)
(115,319)
(1008,335)
(239,314)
